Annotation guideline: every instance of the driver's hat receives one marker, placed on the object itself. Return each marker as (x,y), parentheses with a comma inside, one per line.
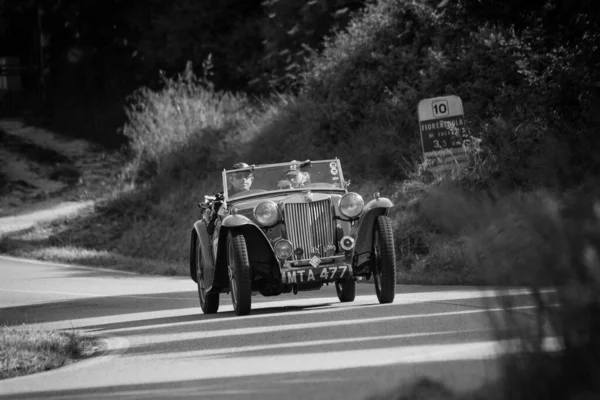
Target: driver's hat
(241,173)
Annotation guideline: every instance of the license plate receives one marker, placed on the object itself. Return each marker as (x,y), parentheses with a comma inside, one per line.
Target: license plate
(303,275)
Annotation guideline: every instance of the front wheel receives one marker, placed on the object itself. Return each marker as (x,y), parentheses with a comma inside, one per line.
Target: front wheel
(383,260)
(209,302)
(238,267)
(346,290)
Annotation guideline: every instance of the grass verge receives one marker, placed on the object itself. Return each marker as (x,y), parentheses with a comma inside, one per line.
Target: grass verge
(91,239)
(27,351)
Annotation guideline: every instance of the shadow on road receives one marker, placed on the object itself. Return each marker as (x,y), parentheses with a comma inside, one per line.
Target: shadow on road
(93,307)
(139,311)
(316,384)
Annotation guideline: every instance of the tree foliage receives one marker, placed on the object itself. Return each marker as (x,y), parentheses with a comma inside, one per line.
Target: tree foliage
(527,75)
(292,32)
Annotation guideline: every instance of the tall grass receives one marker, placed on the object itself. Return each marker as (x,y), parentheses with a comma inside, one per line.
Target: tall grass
(186,128)
(23,352)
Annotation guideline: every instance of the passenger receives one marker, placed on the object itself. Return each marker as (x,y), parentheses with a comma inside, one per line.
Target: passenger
(294,178)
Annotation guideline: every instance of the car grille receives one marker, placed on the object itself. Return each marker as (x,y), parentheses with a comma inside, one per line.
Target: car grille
(309,226)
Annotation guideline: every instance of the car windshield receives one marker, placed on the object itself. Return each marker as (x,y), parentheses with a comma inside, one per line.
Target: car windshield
(292,176)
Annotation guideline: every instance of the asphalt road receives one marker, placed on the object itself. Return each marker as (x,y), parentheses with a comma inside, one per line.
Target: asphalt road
(307,346)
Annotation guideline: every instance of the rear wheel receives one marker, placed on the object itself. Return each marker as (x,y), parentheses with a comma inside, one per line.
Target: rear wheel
(238,267)
(383,260)
(346,290)
(209,302)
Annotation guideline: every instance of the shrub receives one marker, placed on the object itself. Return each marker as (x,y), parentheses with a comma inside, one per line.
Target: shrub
(539,240)
(552,243)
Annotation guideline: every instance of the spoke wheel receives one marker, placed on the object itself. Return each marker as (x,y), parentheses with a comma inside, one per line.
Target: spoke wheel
(346,290)
(209,302)
(383,260)
(238,267)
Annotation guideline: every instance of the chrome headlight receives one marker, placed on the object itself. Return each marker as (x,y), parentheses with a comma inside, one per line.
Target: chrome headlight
(351,205)
(266,213)
(283,249)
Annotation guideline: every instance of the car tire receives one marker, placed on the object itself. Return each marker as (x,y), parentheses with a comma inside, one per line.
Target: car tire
(238,266)
(209,302)
(346,290)
(383,258)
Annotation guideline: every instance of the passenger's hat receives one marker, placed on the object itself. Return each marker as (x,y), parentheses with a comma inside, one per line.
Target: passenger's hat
(294,168)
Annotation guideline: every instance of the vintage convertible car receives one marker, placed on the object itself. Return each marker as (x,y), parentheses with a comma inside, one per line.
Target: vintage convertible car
(296,229)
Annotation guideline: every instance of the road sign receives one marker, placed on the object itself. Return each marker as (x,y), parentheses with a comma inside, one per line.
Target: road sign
(442,127)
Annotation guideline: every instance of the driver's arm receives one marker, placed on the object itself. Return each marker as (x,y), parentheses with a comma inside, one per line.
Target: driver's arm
(284,184)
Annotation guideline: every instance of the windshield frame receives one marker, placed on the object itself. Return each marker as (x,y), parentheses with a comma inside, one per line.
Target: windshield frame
(342,189)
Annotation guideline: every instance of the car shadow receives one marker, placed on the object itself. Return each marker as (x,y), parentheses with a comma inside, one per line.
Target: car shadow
(200,317)
(113,306)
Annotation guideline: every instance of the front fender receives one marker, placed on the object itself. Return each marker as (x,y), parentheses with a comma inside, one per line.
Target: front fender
(260,250)
(362,231)
(199,236)
(232,221)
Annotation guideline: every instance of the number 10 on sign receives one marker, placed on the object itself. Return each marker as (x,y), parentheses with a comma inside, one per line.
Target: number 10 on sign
(440,108)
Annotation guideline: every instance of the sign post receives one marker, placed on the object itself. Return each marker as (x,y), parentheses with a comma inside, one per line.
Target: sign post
(442,127)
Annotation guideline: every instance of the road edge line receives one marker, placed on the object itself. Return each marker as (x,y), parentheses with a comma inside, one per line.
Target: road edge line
(51,263)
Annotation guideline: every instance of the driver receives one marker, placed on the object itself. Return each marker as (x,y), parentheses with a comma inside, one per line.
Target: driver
(240,181)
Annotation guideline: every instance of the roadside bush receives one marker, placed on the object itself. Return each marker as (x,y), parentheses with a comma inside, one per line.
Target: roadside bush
(547,242)
(559,248)
(163,233)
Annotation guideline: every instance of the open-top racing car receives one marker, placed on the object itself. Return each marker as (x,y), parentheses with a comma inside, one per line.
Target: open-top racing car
(292,227)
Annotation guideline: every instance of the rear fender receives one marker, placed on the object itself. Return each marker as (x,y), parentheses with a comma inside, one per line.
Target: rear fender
(363,230)
(260,250)
(199,235)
